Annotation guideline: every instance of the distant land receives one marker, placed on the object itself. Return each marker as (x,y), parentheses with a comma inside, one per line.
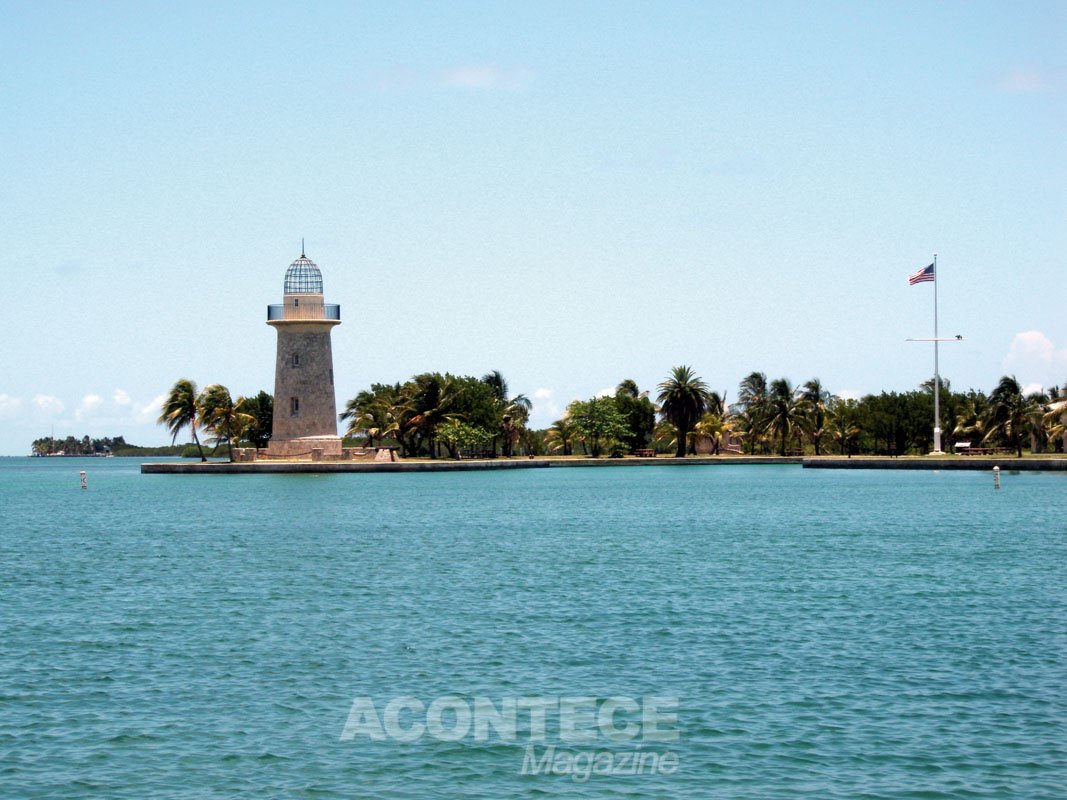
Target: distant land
(73,447)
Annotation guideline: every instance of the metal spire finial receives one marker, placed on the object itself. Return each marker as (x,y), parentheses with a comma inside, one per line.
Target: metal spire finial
(302,247)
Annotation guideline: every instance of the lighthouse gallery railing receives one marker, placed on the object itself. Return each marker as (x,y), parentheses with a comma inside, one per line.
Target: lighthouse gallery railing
(304,311)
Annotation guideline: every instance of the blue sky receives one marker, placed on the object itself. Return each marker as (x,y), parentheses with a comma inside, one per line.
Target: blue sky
(570,193)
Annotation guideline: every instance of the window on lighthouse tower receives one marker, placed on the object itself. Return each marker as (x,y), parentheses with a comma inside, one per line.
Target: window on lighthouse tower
(296,359)
(294,406)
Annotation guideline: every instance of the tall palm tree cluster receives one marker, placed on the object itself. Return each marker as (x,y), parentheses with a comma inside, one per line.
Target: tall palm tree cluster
(614,424)
(782,417)
(213,410)
(778,417)
(1010,417)
(433,412)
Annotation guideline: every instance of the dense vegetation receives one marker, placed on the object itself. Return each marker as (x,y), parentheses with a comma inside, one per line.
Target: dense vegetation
(435,413)
(227,421)
(779,417)
(72,446)
(108,445)
(439,415)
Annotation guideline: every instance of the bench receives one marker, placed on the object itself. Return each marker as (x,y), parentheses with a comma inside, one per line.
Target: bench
(984,451)
(645,453)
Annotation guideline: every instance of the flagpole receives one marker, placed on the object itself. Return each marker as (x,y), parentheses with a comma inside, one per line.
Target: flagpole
(937,375)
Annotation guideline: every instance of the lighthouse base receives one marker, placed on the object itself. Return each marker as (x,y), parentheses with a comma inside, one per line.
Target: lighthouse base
(304,447)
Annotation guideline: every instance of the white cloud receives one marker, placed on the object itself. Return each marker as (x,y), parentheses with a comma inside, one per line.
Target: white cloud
(48,404)
(121,398)
(1034,359)
(486,78)
(1032,388)
(88,406)
(849,394)
(1021,80)
(545,408)
(1029,348)
(150,412)
(610,391)
(9,406)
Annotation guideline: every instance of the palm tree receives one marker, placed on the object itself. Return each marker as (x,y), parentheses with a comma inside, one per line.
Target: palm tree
(514,419)
(560,436)
(261,409)
(783,411)
(683,399)
(1039,406)
(495,381)
(435,401)
(814,398)
(628,387)
(180,411)
(400,410)
(753,418)
(841,416)
(363,413)
(222,417)
(1055,418)
(513,411)
(499,387)
(972,417)
(709,428)
(1009,413)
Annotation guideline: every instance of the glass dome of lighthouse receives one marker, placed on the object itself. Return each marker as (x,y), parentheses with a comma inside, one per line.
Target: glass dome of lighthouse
(303,276)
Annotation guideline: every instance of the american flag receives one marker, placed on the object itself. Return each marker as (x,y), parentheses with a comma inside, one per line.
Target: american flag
(924,274)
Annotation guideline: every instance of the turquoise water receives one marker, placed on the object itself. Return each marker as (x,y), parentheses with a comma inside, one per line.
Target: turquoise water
(826,633)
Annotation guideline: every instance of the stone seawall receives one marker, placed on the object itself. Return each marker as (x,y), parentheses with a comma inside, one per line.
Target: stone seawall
(1006,464)
(278,467)
(824,462)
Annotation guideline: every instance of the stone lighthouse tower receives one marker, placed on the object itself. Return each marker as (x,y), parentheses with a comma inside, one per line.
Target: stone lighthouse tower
(305,411)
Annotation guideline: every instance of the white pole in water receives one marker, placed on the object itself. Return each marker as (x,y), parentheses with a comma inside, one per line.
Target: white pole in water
(85,484)
(996,477)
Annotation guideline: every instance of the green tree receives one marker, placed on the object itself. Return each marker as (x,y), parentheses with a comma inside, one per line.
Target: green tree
(783,412)
(260,408)
(433,400)
(639,413)
(222,417)
(752,419)
(513,420)
(368,414)
(1054,419)
(813,419)
(462,439)
(1010,414)
(709,428)
(511,412)
(972,416)
(180,411)
(560,436)
(842,418)
(683,399)
(600,423)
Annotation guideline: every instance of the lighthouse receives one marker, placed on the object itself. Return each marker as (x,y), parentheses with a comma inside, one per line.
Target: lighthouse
(305,409)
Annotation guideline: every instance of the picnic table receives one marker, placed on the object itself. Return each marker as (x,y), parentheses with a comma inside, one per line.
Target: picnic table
(984,451)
